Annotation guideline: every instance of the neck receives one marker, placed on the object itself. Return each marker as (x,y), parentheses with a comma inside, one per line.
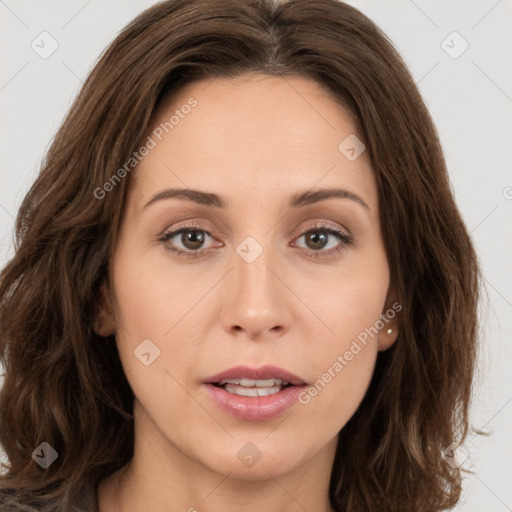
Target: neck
(162,478)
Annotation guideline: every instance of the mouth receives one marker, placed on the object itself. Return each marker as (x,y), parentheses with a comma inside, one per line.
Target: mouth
(255,393)
(267,377)
(252,387)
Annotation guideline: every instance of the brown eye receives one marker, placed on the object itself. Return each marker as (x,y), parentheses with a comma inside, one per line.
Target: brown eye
(317,240)
(192,240)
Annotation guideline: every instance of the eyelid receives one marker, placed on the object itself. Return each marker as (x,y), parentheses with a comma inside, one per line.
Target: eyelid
(318,224)
(191,225)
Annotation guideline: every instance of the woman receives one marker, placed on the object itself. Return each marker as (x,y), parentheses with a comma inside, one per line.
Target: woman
(241,281)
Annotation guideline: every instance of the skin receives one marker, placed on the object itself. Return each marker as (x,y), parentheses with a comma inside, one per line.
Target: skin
(255,140)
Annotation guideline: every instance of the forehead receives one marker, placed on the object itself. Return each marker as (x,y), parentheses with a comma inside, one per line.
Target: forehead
(255,133)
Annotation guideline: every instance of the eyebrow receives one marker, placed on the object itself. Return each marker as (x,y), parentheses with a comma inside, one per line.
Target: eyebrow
(296,201)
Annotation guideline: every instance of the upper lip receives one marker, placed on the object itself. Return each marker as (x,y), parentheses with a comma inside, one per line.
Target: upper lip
(262,373)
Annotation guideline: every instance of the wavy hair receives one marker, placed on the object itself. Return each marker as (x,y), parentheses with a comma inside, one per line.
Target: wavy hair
(64,384)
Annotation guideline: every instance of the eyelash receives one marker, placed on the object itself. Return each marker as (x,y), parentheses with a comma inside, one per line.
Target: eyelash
(345,239)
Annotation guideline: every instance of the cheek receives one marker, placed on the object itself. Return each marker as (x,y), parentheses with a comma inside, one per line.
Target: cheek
(344,366)
(150,310)
(152,297)
(350,299)
(170,305)
(351,307)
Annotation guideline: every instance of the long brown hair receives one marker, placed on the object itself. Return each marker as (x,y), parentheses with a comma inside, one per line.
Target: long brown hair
(64,384)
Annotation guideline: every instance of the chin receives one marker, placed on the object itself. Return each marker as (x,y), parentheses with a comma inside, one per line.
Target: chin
(259,459)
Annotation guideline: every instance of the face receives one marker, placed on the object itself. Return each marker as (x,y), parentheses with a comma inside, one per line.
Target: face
(249,275)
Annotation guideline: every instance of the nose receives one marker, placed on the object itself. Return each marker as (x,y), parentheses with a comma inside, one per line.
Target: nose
(259,302)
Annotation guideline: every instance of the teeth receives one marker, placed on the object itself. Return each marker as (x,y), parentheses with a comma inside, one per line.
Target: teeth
(249,383)
(254,391)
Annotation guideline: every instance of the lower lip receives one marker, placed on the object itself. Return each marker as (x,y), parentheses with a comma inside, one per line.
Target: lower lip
(255,408)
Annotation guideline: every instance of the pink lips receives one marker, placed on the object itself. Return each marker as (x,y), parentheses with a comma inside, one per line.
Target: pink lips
(255,408)
(265,372)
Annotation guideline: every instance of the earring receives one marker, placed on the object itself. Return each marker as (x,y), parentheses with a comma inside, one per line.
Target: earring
(389,331)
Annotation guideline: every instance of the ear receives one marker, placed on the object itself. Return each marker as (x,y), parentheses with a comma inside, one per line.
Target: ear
(104,323)
(391,319)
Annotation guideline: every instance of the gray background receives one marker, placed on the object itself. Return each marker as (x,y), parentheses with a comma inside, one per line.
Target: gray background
(469,97)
